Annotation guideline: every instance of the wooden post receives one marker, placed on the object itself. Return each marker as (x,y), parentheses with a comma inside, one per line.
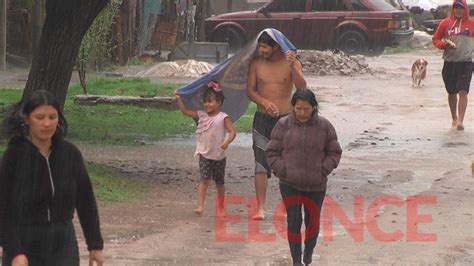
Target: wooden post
(229,6)
(141,27)
(200,17)
(3,35)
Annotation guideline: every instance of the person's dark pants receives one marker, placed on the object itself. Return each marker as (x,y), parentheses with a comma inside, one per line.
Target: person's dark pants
(312,201)
(48,244)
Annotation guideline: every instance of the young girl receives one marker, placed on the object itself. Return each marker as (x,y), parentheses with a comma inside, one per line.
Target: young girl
(211,142)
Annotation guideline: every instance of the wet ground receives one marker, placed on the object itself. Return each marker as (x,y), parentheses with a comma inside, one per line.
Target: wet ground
(398,148)
(409,170)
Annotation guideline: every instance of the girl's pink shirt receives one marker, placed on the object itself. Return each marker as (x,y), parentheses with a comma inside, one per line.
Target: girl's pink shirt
(210,135)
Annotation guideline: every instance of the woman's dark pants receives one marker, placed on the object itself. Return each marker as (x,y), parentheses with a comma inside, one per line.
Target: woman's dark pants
(312,201)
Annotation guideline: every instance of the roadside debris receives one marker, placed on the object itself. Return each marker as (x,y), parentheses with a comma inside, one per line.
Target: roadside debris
(322,63)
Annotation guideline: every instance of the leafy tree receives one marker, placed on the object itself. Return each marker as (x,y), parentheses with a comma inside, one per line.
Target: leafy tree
(96,45)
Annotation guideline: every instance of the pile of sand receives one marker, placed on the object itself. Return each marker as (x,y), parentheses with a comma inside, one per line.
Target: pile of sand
(178,69)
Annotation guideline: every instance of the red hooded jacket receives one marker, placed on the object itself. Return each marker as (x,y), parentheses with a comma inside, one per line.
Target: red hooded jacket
(459,31)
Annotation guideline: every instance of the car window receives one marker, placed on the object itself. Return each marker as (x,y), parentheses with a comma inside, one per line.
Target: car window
(358,6)
(381,5)
(287,6)
(328,5)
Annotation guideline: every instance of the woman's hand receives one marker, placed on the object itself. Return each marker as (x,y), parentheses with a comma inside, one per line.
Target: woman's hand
(20,260)
(97,256)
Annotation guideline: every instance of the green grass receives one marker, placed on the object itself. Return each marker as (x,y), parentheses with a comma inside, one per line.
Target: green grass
(244,124)
(111,186)
(135,62)
(124,87)
(112,124)
(120,124)
(8,96)
(127,125)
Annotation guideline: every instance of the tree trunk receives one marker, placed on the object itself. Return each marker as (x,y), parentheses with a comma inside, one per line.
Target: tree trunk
(3,35)
(82,72)
(66,23)
(128,28)
(36,25)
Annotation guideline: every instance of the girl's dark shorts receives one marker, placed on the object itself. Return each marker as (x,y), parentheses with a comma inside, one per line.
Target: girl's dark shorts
(212,169)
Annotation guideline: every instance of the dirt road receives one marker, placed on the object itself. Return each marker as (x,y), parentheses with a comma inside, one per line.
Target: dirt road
(397,144)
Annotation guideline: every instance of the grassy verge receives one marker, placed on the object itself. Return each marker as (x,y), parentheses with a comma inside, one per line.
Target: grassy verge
(244,124)
(124,125)
(111,186)
(124,87)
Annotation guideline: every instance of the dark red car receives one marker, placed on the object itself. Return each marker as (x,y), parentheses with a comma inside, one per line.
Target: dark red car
(354,26)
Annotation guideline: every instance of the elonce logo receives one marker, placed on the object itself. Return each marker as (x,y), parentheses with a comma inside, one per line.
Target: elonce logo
(330,211)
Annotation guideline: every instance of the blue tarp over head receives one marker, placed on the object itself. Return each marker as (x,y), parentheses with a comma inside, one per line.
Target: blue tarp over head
(232,76)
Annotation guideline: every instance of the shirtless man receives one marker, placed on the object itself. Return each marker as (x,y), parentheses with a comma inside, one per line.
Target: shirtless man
(270,83)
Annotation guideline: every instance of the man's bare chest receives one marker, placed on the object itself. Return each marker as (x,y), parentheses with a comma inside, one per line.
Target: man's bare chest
(274,73)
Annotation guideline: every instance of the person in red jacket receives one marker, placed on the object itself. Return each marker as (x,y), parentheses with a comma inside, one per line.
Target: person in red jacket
(455,35)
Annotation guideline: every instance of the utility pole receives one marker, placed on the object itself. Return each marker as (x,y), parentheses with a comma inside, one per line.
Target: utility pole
(3,35)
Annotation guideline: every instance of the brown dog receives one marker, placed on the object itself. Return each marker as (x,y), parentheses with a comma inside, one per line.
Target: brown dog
(418,72)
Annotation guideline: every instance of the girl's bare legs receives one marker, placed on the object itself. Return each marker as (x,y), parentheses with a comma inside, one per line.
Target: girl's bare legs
(202,190)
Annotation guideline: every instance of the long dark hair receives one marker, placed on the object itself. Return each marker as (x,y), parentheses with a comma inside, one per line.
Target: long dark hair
(266,39)
(14,122)
(304,95)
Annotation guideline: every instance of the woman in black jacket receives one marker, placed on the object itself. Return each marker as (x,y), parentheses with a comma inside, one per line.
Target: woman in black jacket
(43,180)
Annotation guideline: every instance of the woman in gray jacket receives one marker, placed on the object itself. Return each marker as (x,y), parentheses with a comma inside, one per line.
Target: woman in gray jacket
(302,151)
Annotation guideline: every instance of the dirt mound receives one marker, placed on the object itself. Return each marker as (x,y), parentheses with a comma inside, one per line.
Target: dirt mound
(182,68)
(322,63)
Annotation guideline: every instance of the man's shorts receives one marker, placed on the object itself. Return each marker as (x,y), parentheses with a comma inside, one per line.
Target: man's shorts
(263,125)
(212,169)
(457,76)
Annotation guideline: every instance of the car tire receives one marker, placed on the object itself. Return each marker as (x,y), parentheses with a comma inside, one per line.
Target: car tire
(376,51)
(229,35)
(352,42)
